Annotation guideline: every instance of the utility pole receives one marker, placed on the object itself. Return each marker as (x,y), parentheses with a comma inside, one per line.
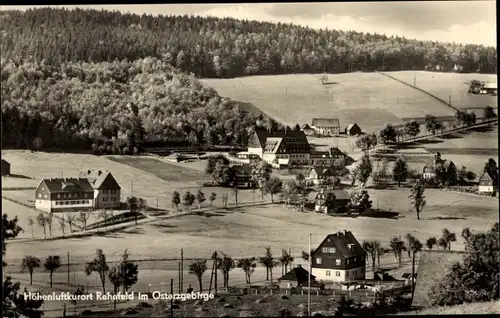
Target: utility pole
(179,274)
(215,268)
(309,280)
(132,188)
(68,270)
(172,297)
(449,99)
(182,270)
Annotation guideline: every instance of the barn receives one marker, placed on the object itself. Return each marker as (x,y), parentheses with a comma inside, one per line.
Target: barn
(353,130)
(5,168)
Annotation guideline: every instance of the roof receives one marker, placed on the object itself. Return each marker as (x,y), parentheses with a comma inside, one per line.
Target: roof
(432,266)
(305,126)
(486,176)
(97,177)
(67,185)
(341,241)
(322,170)
(325,122)
(272,144)
(297,274)
(295,136)
(5,161)
(350,126)
(339,194)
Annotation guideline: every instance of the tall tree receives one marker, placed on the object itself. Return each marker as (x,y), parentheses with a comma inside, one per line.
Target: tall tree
(366,142)
(417,198)
(286,259)
(431,242)
(248,266)
(99,266)
(189,199)
(52,263)
(198,268)
(364,170)
(400,171)
(200,197)
(212,198)
(446,238)
(225,265)
(489,113)
(272,186)
(31,223)
(30,263)
(388,134)
(269,262)
(41,220)
(411,128)
(133,206)
(176,200)
(260,173)
(370,249)
(398,247)
(83,218)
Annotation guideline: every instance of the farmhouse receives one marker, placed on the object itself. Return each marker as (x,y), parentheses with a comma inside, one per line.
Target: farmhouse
(106,189)
(307,130)
(242,176)
(487,182)
(282,148)
(296,277)
(489,88)
(433,265)
(353,130)
(64,195)
(332,157)
(339,258)
(317,174)
(326,126)
(5,168)
(342,199)
(440,171)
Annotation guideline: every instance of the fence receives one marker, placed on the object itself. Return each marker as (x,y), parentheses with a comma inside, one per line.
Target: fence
(469,190)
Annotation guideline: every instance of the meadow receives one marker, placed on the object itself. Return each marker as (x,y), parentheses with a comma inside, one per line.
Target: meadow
(457,85)
(369,99)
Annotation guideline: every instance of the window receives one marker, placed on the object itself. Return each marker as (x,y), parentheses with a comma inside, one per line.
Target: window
(105,191)
(354,259)
(347,261)
(73,202)
(337,273)
(318,260)
(328,273)
(338,262)
(58,195)
(113,198)
(347,274)
(105,198)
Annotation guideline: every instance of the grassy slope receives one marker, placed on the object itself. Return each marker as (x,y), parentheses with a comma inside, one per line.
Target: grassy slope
(444,84)
(370,99)
(485,308)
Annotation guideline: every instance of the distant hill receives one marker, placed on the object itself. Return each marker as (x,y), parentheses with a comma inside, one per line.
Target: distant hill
(214,47)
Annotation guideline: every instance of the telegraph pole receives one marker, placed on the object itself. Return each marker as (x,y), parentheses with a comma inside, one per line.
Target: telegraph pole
(179,274)
(68,270)
(215,268)
(182,270)
(309,280)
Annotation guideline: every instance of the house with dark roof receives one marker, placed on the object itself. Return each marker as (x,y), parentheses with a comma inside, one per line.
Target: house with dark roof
(5,168)
(487,182)
(353,130)
(339,258)
(296,277)
(326,126)
(318,174)
(242,176)
(106,188)
(440,171)
(433,265)
(308,130)
(332,157)
(64,195)
(284,148)
(342,199)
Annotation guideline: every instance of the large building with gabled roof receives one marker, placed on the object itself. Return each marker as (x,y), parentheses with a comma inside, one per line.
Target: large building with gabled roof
(339,258)
(106,188)
(326,126)
(64,195)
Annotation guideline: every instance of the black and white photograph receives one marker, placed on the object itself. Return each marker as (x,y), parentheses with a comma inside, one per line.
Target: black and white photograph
(303,159)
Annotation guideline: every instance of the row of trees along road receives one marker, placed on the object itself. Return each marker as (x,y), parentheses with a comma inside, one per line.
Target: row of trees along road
(224,47)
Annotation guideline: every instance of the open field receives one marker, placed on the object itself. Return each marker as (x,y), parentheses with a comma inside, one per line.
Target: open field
(369,99)
(486,308)
(444,84)
(247,231)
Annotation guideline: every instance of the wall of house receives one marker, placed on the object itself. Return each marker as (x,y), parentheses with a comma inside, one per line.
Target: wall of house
(44,205)
(485,188)
(287,284)
(339,275)
(107,199)
(257,151)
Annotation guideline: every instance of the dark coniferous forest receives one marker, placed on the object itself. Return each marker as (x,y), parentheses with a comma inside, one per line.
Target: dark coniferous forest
(113,82)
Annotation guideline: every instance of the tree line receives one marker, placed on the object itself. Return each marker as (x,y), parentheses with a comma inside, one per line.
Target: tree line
(114,107)
(224,47)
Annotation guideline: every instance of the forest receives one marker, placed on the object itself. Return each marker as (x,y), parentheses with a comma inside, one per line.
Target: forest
(216,47)
(118,107)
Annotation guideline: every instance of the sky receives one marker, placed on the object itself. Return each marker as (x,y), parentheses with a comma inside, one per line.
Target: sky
(469,22)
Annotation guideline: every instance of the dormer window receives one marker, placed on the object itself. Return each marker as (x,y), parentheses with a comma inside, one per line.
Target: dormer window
(351,247)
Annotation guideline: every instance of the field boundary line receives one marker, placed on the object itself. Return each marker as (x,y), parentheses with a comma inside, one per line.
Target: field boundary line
(421,90)
(18,188)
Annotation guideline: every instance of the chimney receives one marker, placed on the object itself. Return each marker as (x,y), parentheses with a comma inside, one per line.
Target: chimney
(345,232)
(88,171)
(99,172)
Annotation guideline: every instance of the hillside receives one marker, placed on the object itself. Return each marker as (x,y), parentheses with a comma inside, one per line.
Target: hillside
(369,99)
(113,107)
(214,47)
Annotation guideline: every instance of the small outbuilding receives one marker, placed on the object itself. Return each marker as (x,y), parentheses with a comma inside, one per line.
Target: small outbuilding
(353,130)
(5,168)
(297,277)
